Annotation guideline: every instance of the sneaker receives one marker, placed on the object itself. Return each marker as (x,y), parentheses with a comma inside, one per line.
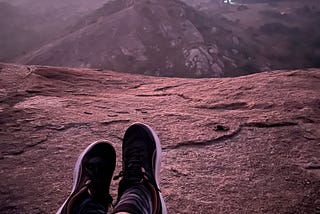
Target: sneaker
(91,179)
(141,156)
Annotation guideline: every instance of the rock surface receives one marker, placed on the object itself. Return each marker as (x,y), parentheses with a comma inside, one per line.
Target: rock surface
(233,145)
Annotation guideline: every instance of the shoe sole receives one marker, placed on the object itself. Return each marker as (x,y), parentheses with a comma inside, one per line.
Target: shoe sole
(76,172)
(157,161)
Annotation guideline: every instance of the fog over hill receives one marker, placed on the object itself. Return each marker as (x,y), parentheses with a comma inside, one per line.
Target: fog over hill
(47,5)
(164,38)
(26,24)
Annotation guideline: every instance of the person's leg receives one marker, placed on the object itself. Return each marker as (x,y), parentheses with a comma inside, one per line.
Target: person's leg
(138,191)
(92,176)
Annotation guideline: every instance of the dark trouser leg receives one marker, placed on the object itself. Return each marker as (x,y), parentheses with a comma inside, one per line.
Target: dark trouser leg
(90,206)
(135,200)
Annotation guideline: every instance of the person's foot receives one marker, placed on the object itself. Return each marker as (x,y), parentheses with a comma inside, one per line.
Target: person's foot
(91,180)
(141,156)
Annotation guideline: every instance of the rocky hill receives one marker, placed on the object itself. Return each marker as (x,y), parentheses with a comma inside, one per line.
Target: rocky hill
(231,145)
(171,38)
(149,37)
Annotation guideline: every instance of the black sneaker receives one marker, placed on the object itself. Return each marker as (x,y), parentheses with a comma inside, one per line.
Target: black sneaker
(91,179)
(141,156)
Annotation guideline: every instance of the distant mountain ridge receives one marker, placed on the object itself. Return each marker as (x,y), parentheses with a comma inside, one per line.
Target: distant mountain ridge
(171,38)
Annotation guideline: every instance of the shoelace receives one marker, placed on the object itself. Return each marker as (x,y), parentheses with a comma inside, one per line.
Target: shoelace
(132,165)
(133,171)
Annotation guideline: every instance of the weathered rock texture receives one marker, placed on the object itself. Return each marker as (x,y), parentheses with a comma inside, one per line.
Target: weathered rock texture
(234,145)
